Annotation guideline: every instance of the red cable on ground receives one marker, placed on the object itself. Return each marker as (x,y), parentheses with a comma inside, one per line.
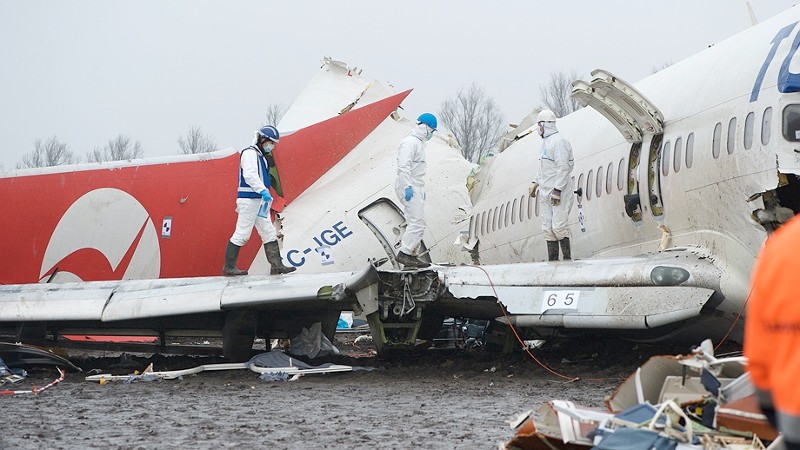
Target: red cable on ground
(511,326)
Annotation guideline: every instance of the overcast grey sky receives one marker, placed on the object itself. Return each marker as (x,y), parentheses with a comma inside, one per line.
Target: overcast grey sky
(87,71)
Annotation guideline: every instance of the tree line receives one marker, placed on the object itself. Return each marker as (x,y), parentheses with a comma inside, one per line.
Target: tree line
(471,116)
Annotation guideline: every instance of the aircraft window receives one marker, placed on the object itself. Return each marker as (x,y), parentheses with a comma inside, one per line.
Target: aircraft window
(665,159)
(791,123)
(589,183)
(689,150)
(521,210)
(472,222)
(676,162)
(580,183)
(621,174)
(766,124)
(483,223)
(599,186)
(514,213)
(715,146)
(508,214)
(494,219)
(531,205)
(748,130)
(609,177)
(731,135)
(502,217)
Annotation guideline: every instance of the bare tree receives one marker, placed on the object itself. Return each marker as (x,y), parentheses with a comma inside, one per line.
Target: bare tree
(555,95)
(274,114)
(196,142)
(49,153)
(117,149)
(474,119)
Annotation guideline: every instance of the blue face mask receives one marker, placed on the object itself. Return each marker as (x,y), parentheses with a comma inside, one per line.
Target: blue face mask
(269,146)
(428,133)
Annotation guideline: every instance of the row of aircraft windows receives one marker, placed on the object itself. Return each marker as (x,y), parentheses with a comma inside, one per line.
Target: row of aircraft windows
(747,141)
(505,215)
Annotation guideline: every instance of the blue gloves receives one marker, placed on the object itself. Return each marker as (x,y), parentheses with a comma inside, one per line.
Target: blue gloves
(409,193)
(265,195)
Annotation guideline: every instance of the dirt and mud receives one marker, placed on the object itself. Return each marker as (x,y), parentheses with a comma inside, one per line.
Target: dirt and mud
(448,399)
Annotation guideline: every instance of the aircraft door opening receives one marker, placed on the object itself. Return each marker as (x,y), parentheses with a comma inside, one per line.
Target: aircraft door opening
(387,222)
(654,176)
(633,204)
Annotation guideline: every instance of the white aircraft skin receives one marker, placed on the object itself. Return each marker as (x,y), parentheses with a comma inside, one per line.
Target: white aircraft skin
(710,205)
(326,215)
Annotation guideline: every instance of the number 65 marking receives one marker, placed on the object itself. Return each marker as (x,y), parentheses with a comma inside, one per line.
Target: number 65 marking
(560,300)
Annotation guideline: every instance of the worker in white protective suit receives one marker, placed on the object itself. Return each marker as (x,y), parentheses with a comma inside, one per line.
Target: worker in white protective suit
(410,188)
(253,202)
(554,186)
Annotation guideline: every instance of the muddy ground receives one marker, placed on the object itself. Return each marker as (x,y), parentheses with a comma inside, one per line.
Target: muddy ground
(448,399)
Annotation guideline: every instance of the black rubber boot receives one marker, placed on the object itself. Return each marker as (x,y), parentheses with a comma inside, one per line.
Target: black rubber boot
(552,250)
(410,262)
(276,266)
(566,254)
(231,255)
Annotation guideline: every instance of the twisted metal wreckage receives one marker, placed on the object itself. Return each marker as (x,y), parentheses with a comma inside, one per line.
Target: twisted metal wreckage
(694,401)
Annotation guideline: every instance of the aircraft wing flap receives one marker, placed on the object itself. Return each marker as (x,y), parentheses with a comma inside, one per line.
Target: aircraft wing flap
(110,301)
(213,294)
(40,302)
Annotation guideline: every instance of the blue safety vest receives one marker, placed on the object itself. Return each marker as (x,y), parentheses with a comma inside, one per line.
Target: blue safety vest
(245,191)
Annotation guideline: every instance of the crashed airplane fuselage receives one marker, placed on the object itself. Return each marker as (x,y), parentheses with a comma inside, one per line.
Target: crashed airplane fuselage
(678,181)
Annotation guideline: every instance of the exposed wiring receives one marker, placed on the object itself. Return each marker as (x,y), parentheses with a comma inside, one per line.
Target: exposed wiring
(733,324)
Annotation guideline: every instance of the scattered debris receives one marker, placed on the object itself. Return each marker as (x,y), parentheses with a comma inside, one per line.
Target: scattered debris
(312,343)
(22,355)
(694,401)
(278,364)
(37,390)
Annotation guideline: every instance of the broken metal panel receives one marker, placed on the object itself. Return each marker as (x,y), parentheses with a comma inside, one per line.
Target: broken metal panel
(648,382)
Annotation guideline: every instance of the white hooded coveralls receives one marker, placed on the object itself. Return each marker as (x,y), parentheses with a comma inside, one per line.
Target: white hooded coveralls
(411,172)
(253,178)
(555,170)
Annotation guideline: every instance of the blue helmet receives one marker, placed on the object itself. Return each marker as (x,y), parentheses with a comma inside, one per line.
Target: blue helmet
(428,119)
(271,133)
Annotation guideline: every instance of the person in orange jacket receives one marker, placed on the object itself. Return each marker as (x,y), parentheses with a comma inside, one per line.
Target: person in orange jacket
(772,331)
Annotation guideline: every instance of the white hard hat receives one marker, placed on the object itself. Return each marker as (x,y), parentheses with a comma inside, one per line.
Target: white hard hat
(546,115)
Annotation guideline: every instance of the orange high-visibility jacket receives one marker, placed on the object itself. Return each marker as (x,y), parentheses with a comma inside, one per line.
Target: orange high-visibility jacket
(772,324)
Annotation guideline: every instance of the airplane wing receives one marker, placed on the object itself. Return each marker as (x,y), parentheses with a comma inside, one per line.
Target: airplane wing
(275,305)
(636,294)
